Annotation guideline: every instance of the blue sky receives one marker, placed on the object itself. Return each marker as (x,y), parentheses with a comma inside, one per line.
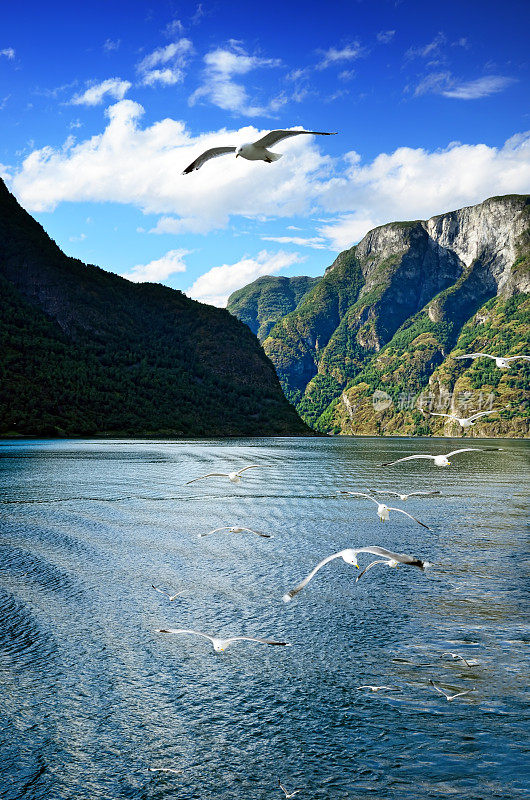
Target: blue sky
(102,107)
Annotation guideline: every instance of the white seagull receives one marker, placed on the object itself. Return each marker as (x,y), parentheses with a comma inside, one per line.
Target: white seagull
(170,596)
(349,556)
(220,645)
(464,422)
(289,794)
(383,511)
(403,497)
(440,461)
(379,688)
(235,530)
(234,477)
(458,657)
(252,151)
(502,363)
(165,769)
(448,695)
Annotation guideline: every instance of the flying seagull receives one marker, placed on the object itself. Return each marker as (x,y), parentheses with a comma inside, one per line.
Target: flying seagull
(502,363)
(403,497)
(252,151)
(464,422)
(165,769)
(448,695)
(220,645)
(440,461)
(349,556)
(171,596)
(234,477)
(379,688)
(235,530)
(286,793)
(458,657)
(383,511)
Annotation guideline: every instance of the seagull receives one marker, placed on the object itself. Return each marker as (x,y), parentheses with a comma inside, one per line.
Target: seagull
(252,151)
(383,511)
(349,556)
(379,688)
(464,422)
(289,794)
(171,596)
(235,530)
(458,657)
(234,477)
(502,363)
(165,769)
(220,645)
(449,696)
(403,497)
(440,461)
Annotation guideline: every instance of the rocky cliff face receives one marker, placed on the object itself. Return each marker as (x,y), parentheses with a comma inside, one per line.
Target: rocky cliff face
(390,313)
(86,352)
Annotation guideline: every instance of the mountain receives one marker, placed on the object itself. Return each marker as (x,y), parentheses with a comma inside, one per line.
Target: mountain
(262,303)
(391,313)
(86,352)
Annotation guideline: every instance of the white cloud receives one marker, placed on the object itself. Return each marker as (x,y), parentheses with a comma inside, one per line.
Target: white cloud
(8,52)
(219,88)
(385,36)
(347,230)
(98,92)
(216,285)
(173,28)
(445,84)
(336,55)
(166,65)
(428,50)
(316,242)
(158,270)
(110,45)
(80,238)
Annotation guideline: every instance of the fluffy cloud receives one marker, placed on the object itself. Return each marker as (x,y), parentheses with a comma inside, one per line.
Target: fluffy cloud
(347,230)
(445,84)
(316,242)
(8,52)
(166,65)
(337,55)
(159,269)
(216,285)
(98,92)
(222,90)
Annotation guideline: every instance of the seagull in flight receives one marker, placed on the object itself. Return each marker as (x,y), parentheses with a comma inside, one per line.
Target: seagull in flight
(403,497)
(349,556)
(448,695)
(458,657)
(235,530)
(502,363)
(220,645)
(233,477)
(165,769)
(253,151)
(289,794)
(383,511)
(464,422)
(170,596)
(440,461)
(379,688)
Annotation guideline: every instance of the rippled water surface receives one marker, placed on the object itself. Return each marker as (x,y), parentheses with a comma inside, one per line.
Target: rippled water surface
(92,696)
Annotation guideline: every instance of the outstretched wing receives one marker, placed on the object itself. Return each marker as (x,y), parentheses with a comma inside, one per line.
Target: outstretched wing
(256,639)
(215,530)
(258,533)
(372,564)
(250,466)
(390,508)
(385,491)
(291,593)
(360,494)
(434,414)
(464,450)
(481,414)
(210,475)
(412,494)
(273,137)
(402,558)
(407,458)
(475,355)
(512,358)
(214,152)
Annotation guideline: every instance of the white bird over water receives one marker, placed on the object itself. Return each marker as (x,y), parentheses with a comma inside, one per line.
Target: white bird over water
(165,769)
(502,363)
(383,511)
(253,151)
(349,556)
(458,657)
(448,695)
(289,794)
(440,461)
(220,645)
(403,497)
(379,688)
(235,530)
(234,477)
(464,422)
(166,594)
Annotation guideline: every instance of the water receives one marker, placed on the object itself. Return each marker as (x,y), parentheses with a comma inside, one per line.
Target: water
(92,696)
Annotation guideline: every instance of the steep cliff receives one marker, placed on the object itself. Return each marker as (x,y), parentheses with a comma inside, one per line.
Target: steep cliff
(87,352)
(390,312)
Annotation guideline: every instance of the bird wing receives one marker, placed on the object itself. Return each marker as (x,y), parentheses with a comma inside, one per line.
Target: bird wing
(435,414)
(210,475)
(385,491)
(184,630)
(291,593)
(282,787)
(250,466)
(411,494)
(372,564)
(361,494)
(256,639)
(475,355)
(273,137)
(214,152)
(390,508)
(512,358)
(201,535)
(159,590)
(263,535)
(464,450)
(407,458)
(403,558)
(459,694)
(438,689)
(481,414)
